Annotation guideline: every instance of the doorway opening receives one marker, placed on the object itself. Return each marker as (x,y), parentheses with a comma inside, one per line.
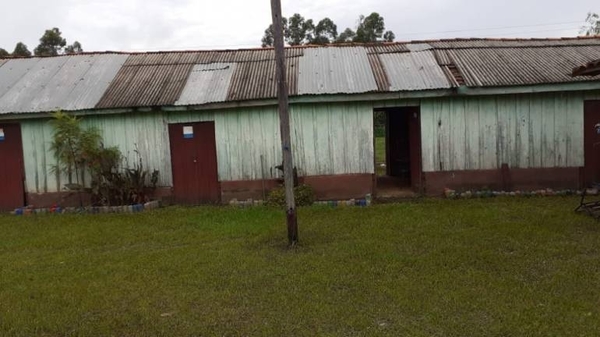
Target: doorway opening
(397,152)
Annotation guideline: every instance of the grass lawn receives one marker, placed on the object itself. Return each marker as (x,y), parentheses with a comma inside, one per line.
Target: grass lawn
(380,155)
(495,267)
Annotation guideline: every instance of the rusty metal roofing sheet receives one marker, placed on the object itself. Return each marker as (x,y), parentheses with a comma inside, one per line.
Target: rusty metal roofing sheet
(414,71)
(334,70)
(207,83)
(383,83)
(386,48)
(256,80)
(518,66)
(513,43)
(146,85)
(589,69)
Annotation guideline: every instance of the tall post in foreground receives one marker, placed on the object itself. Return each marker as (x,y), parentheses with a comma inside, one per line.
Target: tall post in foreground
(284,123)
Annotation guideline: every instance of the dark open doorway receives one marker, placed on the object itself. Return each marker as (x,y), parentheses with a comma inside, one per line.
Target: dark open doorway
(398,152)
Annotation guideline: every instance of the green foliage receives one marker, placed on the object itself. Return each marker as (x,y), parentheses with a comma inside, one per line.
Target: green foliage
(268,37)
(346,36)
(325,32)
(592,25)
(51,43)
(370,28)
(4,53)
(21,50)
(74,48)
(80,150)
(299,30)
(304,196)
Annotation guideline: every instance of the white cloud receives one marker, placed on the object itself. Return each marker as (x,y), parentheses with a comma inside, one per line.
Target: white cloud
(136,25)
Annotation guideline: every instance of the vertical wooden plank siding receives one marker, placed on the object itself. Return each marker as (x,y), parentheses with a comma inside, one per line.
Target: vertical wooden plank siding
(523,131)
(458,133)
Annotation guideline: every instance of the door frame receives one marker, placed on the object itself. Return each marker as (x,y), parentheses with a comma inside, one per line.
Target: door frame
(591,115)
(177,126)
(21,158)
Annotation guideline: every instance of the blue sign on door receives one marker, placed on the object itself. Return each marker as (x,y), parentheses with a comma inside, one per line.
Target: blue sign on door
(1,135)
(188,132)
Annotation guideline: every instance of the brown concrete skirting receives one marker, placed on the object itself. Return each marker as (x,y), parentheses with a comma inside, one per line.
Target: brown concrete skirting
(505,179)
(330,187)
(246,189)
(72,199)
(341,187)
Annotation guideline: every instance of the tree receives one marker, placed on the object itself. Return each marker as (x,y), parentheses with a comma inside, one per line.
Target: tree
(389,36)
(325,32)
(21,50)
(592,25)
(347,35)
(4,53)
(51,43)
(299,30)
(267,40)
(74,48)
(371,28)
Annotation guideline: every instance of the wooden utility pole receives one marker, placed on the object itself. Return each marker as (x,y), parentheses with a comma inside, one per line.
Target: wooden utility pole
(284,123)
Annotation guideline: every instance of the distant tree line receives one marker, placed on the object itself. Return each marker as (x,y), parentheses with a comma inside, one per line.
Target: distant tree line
(592,25)
(51,44)
(301,31)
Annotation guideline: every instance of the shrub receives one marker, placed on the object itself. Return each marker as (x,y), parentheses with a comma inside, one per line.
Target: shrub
(80,150)
(304,196)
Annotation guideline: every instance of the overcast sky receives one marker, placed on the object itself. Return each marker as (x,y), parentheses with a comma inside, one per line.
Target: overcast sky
(139,25)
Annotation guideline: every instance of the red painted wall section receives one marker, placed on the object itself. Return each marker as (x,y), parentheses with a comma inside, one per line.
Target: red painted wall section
(12,191)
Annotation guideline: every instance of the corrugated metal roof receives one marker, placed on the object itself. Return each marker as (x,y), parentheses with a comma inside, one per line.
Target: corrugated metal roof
(207,83)
(518,66)
(513,43)
(589,69)
(110,80)
(419,46)
(387,48)
(381,78)
(146,85)
(255,80)
(414,71)
(46,84)
(335,70)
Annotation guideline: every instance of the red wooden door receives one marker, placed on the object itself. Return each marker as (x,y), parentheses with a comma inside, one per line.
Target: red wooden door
(591,137)
(414,134)
(12,191)
(194,163)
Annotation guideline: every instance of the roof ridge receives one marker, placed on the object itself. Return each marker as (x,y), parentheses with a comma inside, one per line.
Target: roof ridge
(334,45)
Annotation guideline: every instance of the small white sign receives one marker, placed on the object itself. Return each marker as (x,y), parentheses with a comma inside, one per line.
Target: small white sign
(1,135)
(188,132)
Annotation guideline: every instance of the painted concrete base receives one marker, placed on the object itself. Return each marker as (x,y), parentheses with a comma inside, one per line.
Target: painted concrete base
(330,187)
(88,210)
(504,179)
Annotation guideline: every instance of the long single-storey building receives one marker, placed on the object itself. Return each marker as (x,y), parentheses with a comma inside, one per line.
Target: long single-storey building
(461,114)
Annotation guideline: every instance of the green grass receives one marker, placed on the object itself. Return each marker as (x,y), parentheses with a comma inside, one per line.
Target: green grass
(380,155)
(495,267)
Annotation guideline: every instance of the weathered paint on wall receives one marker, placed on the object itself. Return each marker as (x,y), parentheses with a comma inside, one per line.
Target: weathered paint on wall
(327,139)
(458,133)
(523,131)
